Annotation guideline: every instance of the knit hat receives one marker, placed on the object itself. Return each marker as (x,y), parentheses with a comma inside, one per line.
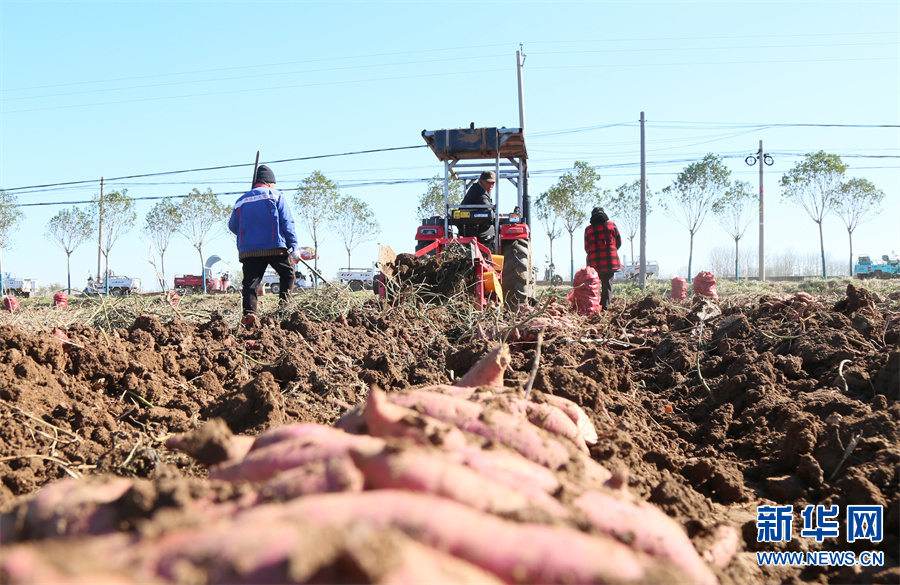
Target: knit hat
(599,216)
(264,175)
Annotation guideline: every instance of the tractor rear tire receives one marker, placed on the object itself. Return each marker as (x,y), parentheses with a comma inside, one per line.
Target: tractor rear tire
(514,278)
(275,288)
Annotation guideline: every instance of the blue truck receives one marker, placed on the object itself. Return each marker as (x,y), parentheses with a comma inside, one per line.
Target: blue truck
(889,267)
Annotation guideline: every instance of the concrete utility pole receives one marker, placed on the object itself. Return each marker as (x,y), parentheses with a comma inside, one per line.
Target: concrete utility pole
(523,171)
(643,246)
(100,228)
(763,159)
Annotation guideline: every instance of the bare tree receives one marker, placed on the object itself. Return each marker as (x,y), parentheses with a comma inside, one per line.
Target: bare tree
(202,218)
(10,217)
(355,223)
(857,200)
(813,184)
(116,212)
(315,202)
(692,195)
(734,212)
(160,225)
(68,229)
(625,210)
(431,203)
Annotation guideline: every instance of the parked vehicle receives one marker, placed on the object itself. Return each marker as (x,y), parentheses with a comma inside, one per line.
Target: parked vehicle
(20,287)
(358,278)
(889,267)
(118,286)
(272,282)
(222,282)
(632,270)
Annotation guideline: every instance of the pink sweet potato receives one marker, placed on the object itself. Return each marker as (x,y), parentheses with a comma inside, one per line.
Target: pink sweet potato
(544,416)
(508,467)
(724,547)
(265,463)
(430,471)
(648,529)
(491,424)
(577,414)
(515,552)
(277,434)
(72,507)
(338,474)
(420,564)
(386,419)
(488,371)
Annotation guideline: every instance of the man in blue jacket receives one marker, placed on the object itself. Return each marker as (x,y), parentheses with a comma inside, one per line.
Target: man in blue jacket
(264,226)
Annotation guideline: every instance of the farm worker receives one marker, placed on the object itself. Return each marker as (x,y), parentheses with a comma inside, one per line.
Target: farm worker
(480,194)
(264,226)
(602,242)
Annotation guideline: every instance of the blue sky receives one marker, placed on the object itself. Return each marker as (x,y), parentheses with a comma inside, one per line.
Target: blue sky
(115,89)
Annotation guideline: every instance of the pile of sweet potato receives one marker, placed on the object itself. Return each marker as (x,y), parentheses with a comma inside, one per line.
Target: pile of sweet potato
(465,483)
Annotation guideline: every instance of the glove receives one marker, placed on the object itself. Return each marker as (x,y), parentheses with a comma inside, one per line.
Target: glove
(294,256)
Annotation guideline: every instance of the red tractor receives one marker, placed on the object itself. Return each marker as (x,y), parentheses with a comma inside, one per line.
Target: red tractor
(503,267)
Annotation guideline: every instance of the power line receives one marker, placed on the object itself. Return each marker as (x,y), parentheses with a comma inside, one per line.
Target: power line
(302,158)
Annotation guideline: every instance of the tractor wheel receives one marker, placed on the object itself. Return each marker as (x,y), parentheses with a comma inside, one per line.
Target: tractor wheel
(116,292)
(878,274)
(231,290)
(356,285)
(557,280)
(515,273)
(275,288)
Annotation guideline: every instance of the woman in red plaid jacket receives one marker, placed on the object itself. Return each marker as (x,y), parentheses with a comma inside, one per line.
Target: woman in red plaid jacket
(602,242)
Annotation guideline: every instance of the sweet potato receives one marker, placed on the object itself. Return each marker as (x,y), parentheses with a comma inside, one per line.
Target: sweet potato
(577,414)
(494,425)
(488,371)
(265,463)
(338,474)
(514,552)
(507,466)
(386,419)
(420,564)
(430,471)
(543,416)
(647,528)
(724,547)
(69,507)
(212,443)
(277,434)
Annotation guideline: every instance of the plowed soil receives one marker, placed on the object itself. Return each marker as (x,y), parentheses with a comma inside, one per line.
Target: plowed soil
(708,408)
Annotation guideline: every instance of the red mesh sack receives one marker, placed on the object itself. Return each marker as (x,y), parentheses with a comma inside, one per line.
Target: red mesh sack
(60,299)
(585,294)
(11,303)
(705,285)
(679,288)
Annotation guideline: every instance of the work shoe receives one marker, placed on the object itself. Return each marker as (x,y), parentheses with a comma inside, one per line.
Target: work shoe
(250,321)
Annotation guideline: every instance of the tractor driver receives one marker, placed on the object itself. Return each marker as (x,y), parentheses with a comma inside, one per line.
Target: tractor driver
(480,194)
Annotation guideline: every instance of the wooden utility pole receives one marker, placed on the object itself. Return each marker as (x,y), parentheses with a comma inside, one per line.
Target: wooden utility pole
(643,246)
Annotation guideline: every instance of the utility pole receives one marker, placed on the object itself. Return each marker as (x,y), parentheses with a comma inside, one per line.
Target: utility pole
(523,171)
(100,228)
(643,245)
(764,159)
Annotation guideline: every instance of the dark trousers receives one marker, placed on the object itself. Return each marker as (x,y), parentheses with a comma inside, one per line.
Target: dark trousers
(254,268)
(605,288)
